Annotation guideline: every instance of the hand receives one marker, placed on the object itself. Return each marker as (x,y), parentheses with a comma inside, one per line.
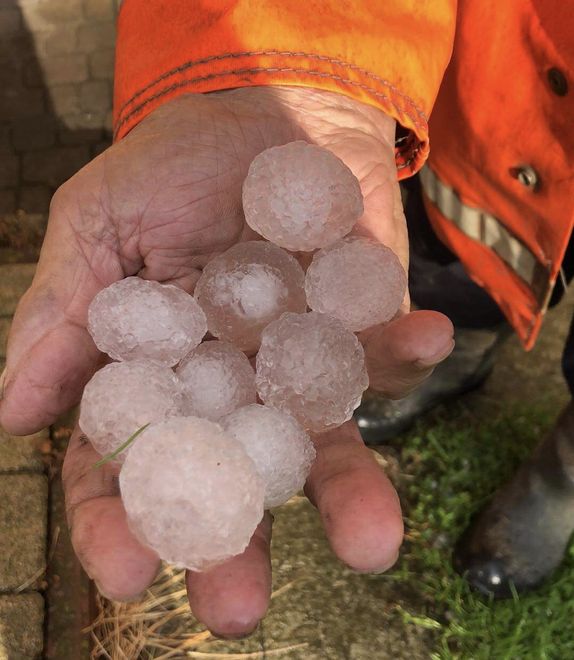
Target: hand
(160,204)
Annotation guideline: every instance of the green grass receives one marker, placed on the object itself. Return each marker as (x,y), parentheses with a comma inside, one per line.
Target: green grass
(453,468)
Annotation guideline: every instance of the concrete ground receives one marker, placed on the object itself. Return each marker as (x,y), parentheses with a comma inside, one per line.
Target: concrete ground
(55,102)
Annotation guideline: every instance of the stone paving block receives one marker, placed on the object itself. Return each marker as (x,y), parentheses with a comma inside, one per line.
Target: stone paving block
(101,64)
(16,101)
(5,137)
(53,166)
(96,36)
(96,96)
(23,521)
(65,99)
(20,102)
(7,200)
(60,41)
(10,21)
(35,199)
(9,164)
(100,10)
(89,136)
(100,147)
(21,453)
(88,120)
(21,626)
(43,14)
(34,133)
(62,69)
(15,278)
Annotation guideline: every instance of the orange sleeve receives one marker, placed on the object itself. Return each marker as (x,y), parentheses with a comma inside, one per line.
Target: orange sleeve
(388,53)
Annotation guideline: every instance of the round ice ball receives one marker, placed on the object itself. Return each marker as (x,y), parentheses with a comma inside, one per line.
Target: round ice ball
(191,493)
(301,196)
(217,379)
(248,286)
(357,280)
(136,318)
(278,445)
(312,367)
(124,396)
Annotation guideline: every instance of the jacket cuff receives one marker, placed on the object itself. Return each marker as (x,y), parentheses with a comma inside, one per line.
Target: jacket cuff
(377,55)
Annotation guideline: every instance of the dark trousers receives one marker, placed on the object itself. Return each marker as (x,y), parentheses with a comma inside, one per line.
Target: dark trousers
(438,281)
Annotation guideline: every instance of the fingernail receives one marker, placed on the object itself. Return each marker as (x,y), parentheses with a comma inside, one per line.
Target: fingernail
(128,599)
(426,363)
(234,636)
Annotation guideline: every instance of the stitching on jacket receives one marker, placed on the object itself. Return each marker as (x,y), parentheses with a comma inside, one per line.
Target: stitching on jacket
(320,74)
(313,56)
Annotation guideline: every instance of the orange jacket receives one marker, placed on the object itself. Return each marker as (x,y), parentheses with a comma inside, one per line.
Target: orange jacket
(511,236)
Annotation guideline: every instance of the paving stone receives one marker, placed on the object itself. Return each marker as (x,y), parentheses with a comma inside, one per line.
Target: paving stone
(62,69)
(23,521)
(34,133)
(100,147)
(15,278)
(101,64)
(9,164)
(53,166)
(17,101)
(33,75)
(35,199)
(10,21)
(61,41)
(88,136)
(109,125)
(10,71)
(96,36)
(85,121)
(100,10)
(7,201)
(5,137)
(43,14)
(21,453)
(96,96)
(21,626)
(65,99)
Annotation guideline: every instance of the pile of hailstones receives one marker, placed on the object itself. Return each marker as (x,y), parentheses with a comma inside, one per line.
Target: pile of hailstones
(197,478)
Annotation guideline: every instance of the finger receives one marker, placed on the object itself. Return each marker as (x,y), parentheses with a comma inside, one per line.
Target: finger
(401,354)
(121,566)
(358,505)
(232,598)
(50,354)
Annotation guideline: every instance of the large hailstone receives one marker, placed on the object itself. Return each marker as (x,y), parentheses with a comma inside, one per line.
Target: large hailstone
(242,290)
(217,379)
(136,318)
(312,367)
(124,396)
(301,196)
(191,493)
(281,450)
(357,280)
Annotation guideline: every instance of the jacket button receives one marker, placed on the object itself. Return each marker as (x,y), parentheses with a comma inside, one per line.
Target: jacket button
(557,81)
(526,175)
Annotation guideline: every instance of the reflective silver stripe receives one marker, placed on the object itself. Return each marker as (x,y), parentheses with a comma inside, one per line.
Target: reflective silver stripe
(481,226)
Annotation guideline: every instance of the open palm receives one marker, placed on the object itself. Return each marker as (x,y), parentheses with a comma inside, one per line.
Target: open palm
(160,204)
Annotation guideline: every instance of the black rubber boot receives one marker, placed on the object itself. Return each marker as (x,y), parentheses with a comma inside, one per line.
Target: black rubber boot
(467,367)
(521,536)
